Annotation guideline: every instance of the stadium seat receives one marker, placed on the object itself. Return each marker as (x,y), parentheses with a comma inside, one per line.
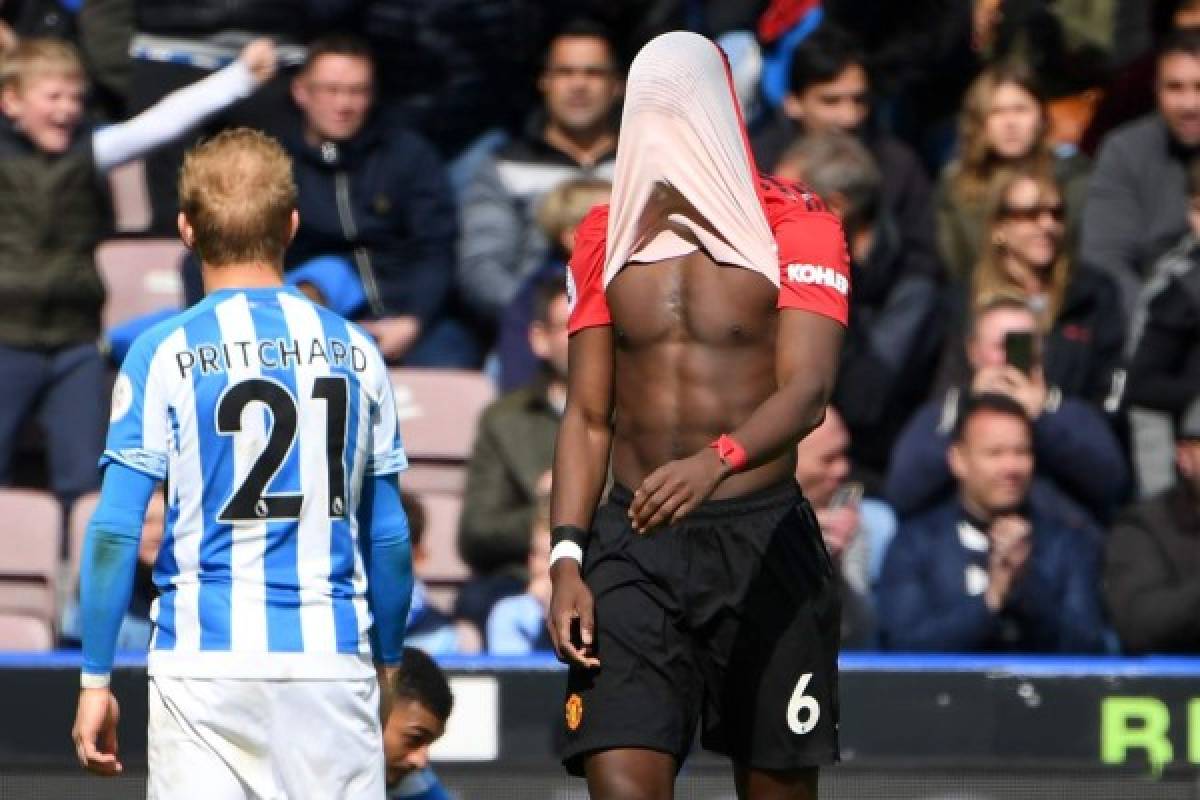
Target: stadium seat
(442,510)
(29,544)
(142,275)
(19,632)
(438,410)
(427,477)
(130,197)
(81,514)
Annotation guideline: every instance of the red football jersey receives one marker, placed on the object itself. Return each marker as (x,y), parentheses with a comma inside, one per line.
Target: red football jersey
(814,265)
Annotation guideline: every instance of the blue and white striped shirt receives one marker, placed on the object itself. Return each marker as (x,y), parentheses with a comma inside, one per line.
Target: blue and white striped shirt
(263,412)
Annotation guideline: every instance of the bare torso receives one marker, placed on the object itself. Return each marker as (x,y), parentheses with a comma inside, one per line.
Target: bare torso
(695,355)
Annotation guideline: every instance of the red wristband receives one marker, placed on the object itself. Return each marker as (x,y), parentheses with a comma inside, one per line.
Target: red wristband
(730,451)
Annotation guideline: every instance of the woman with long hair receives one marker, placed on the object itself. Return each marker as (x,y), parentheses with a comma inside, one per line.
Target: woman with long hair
(1003,127)
(1025,254)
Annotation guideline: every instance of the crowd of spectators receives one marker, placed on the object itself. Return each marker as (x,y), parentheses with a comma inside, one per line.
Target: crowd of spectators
(1019,182)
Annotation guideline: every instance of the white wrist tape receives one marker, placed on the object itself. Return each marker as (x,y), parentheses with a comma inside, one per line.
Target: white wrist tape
(566,550)
(89,680)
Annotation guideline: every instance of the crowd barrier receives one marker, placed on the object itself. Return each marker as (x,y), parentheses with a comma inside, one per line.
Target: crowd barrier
(912,727)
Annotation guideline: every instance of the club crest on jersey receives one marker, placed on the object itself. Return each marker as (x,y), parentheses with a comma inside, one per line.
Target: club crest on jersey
(571,295)
(122,397)
(816,275)
(574,712)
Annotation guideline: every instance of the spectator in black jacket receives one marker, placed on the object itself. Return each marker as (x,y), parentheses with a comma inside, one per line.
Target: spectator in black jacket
(1152,570)
(891,346)
(375,197)
(993,569)
(575,137)
(1164,371)
(1079,460)
(1137,200)
(829,89)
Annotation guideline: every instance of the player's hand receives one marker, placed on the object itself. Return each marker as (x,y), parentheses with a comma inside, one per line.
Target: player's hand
(260,58)
(675,489)
(570,600)
(95,732)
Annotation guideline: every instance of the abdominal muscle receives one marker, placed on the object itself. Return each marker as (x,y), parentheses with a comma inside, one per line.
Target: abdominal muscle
(695,356)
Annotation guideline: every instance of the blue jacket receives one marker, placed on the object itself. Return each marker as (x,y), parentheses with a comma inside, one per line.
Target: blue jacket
(1075,451)
(382,201)
(924,603)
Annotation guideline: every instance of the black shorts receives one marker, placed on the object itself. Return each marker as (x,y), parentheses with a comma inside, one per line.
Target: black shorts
(730,618)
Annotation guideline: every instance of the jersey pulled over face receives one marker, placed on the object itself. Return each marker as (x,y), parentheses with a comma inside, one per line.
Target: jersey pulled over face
(813,267)
(263,413)
(685,182)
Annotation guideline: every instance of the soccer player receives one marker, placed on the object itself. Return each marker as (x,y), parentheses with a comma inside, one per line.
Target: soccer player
(285,568)
(707,309)
(421,704)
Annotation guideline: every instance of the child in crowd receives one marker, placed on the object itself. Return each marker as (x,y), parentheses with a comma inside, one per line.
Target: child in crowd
(53,213)
(517,624)
(558,215)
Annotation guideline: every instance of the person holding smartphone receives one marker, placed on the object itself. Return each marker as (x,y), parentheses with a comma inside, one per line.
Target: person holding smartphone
(1079,461)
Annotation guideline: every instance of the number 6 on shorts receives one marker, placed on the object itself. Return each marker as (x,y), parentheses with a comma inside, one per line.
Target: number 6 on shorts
(803,704)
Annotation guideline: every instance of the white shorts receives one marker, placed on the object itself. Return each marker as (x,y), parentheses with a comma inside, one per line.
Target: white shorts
(221,739)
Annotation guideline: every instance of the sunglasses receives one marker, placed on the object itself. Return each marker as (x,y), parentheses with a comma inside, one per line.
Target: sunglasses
(1034,213)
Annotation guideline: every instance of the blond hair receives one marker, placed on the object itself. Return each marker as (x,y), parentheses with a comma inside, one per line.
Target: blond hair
(565,206)
(991,280)
(979,168)
(39,57)
(238,194)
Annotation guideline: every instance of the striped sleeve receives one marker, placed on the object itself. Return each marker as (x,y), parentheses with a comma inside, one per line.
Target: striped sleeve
(387,455)
(139,430)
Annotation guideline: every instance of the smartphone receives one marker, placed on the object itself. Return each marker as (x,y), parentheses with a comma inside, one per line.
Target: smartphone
(849,494)
(1018,350)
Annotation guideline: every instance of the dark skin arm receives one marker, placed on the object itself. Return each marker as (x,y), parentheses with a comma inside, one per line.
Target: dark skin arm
(580,468)
(806,367)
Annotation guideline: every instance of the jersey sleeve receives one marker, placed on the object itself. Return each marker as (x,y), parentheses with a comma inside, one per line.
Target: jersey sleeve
(138,428)
(387,451)
(588,308)
(814,265)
